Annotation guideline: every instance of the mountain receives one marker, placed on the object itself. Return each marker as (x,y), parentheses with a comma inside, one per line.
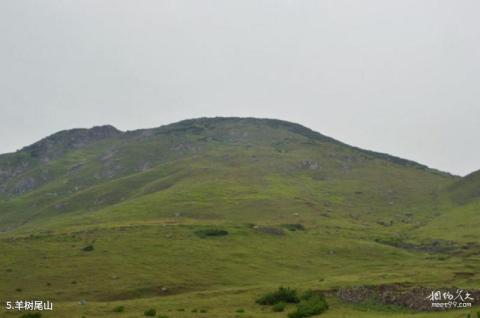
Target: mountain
(207,214)
(251,160)
(466,189)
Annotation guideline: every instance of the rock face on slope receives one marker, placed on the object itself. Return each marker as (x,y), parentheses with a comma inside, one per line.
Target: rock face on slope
(411,297)
(14,165)
(57,144)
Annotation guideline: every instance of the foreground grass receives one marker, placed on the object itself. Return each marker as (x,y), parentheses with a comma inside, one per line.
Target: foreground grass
(171,268)
(139,261)
(221,304)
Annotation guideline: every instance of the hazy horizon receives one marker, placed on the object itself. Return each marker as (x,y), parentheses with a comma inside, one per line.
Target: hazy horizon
(399,77)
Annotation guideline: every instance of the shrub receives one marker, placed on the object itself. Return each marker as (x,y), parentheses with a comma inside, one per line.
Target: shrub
(211,232)
(240,310)
(312,306)
(150,312)
(307,295)
(32,315)
(203,311)
(294,227)
(279,307)
(88,248)
(283,294)
(478,314)
(119,309)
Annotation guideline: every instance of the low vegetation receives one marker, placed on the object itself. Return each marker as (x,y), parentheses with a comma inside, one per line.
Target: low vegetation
(311,305)
(32,315)
(150,312)
(279,307)
(211,233)
(88,248)
(294,227)
(119,309)
(283,294)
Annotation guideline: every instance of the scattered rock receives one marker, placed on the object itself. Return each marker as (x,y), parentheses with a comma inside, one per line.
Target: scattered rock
(269,230)
(309,164)
(411,297)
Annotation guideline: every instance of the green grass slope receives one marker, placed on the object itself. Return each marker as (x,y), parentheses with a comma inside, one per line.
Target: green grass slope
(467,189)
(230,163)
(108,218)
(462,221)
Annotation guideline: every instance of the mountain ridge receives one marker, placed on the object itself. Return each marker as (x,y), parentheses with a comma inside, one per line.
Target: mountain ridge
(82,136)
(104,169)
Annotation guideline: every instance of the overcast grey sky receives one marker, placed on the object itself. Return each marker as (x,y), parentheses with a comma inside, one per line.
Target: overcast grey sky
(400,76)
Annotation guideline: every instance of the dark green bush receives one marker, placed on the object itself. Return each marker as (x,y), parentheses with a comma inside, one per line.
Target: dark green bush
(32,315)
(211,232)
(88,248)
(240,310)
(314,305)
(119,309)
(150,312)
(283,294)
(307,295)
(294,227)
(279,307)
(203,311)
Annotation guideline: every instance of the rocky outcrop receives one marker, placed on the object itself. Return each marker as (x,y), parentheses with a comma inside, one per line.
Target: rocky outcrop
(19,171)
(411,297)
(57,144)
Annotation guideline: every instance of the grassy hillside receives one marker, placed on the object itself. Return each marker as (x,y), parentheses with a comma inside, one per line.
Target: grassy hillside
(462,221)
(110,218)
(225,162)
(467,189)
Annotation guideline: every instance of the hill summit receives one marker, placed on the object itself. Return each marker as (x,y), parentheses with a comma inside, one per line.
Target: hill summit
(208,160)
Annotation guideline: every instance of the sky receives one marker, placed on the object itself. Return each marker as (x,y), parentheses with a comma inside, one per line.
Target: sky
(400,77)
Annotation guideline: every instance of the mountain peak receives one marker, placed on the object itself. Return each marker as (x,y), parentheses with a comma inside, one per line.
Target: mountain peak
(55,145)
